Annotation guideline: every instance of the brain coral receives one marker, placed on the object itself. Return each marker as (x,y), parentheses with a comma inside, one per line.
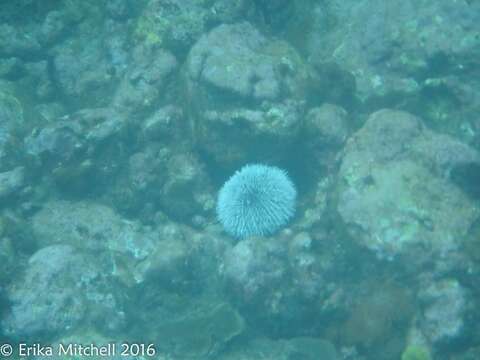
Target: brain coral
(256,200)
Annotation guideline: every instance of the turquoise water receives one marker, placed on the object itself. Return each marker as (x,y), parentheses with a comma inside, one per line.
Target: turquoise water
(239,179)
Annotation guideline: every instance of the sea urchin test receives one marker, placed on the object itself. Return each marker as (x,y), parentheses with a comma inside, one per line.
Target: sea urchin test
(257,200)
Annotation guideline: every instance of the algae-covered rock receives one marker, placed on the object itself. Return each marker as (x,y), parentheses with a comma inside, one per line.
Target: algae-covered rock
(416,352)
(187,189)
(11,110)
(146,80)
(166,124)
(299,348)
(391,42)
(60,289)
(408,54)
(395,194)
(327,126)
(326,130)
(14,42)
(8,258)
(167,255)
(11,120)
(74,150)
(245,93)
(177,24)
(201,332)
(176,180)
(311,348)
(81,71)
(92,226)
(394,308)
(11,181)
(279,281)
(446,310)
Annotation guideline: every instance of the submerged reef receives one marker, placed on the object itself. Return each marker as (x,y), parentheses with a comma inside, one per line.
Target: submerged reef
(143,196)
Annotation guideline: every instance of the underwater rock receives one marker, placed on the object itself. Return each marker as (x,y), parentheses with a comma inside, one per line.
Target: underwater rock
(8,259)
(330,83)
(226,59)
(146,171)
(276,13)
(91,226)
(445,310)
(170,255)
(87,70)
(230,11)
(378,38)
(203,333)
(49,112)
(87,225)
(136,188)
(327,126)
(146,81)
(53,27)
(244,90)
(393,308)
(176,180)
(309,348)
(184,262)
(11,181)
(279,280)
(11,111)
(10,67)
(29,29)
(15,42)
(52,297)
(166,124)
(38,79)
(246,267)
(11,120)
(120,9)
(196,328)
(394,192)
(72,148)
(304,348)
(187,190)
(57,142)
(176,24)
(416,352)
(404,54)
(326,130)
(168,264)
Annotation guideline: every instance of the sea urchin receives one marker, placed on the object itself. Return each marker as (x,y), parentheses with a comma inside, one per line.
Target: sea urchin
(257,200)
